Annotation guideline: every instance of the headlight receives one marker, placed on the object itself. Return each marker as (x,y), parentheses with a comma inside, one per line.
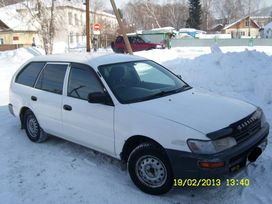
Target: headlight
(259,115)
(210,146)
(158,46)
(263,119)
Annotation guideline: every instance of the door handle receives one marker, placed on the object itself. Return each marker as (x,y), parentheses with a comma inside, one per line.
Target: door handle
(67,107)
(34,98)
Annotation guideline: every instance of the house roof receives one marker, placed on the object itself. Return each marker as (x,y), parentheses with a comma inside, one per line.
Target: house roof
(234,23)
(268,26)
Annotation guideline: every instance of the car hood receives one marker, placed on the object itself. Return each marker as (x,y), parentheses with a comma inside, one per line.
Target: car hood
(202,111)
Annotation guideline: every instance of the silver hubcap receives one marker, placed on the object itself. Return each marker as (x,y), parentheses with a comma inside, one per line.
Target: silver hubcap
(32,126)
(151,171)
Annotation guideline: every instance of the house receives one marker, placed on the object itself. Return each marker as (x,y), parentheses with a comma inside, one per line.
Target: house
(14,32)
(267,31)
(17,25)
(243,28)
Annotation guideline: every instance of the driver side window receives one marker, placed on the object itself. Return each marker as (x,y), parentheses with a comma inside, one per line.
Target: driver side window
(82,82)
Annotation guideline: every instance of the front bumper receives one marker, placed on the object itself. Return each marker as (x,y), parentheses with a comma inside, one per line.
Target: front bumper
(186,164)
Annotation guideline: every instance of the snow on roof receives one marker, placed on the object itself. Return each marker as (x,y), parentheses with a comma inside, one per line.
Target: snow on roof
(191,30)
(232,24)
(159,30)
(93,59)
(163,28)
(268,26)
(15,20)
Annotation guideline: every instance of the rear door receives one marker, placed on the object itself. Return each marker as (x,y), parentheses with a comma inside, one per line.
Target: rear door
(46,98)
(83,122)
(138,44)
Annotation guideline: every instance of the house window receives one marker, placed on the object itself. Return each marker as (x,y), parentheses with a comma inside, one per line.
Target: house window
(77,38)
(71,38)
(1,41)
(76,19)
(247,23)
(70,18)
(242,33)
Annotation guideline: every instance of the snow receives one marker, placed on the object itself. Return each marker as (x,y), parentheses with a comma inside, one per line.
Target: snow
(58,171)
(14,20)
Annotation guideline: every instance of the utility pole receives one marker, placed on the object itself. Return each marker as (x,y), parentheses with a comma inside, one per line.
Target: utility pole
(120,22)
(249,20)
(88,46)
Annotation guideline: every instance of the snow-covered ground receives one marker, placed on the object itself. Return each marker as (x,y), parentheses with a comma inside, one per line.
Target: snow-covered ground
(58,171)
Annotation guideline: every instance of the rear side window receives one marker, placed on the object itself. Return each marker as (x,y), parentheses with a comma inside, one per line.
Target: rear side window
(52,77)
(82,82)
(29,74)
(119,39)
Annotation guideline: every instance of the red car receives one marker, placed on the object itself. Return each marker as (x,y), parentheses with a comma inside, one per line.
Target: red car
(136,42)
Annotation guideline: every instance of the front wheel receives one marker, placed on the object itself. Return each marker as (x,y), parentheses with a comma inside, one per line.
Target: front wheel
(150,169)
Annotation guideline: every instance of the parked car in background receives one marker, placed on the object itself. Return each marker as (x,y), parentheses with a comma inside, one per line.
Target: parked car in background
(137,111)
(136,42)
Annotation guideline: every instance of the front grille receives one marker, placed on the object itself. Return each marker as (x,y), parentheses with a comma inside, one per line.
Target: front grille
(240,130)
(247,132)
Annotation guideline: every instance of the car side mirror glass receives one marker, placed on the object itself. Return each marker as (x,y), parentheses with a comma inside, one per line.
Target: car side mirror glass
(99,97)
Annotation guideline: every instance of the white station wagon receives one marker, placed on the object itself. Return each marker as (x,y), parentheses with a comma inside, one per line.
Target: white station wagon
(135,110)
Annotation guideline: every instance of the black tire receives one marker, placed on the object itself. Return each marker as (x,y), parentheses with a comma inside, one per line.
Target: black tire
(33,129)
(112,47)
(150,170)
(120,50)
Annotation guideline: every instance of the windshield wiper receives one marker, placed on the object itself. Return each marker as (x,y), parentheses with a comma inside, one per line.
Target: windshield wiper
(163,93)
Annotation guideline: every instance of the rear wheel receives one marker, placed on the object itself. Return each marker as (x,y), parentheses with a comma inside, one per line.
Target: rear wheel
(150,169)
(32,128)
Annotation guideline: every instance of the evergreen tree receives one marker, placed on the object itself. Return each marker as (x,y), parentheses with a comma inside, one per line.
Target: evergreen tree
(194,20)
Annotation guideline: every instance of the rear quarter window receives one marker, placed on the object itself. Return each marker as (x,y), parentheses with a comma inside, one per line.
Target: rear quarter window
(52,77)
(28,75)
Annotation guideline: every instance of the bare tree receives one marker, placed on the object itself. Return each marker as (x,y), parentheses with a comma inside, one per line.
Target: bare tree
(147,14)
(96,5)
(207,14)
(43,17)
(175,13)
(151,11)
(250,6)
(230,10)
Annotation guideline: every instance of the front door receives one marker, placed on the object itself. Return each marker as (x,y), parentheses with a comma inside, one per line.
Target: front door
(83,122)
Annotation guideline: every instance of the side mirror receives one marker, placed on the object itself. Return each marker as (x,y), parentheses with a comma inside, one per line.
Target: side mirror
(99,97)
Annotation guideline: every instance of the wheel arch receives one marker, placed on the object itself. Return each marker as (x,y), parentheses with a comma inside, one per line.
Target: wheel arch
(22,113)
(132,142)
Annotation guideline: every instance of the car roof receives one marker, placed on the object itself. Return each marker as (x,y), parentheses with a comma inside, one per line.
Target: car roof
(92,59)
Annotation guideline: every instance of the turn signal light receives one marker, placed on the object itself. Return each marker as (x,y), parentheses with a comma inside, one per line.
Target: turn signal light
(211,165)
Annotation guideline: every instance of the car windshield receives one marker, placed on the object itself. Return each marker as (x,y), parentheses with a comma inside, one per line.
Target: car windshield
(140,81)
